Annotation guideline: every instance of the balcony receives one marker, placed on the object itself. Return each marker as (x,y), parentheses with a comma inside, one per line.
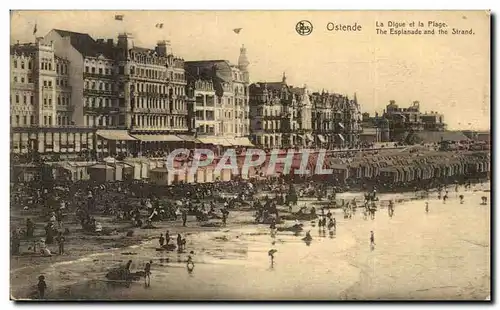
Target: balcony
(151,110)
(101,110)
(97,92)
(63,88)
(97,75)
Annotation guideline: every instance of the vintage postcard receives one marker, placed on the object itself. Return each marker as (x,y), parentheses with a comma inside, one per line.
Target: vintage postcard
(250,155)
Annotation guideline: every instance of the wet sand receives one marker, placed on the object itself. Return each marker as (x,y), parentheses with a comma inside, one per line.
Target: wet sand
(443,255)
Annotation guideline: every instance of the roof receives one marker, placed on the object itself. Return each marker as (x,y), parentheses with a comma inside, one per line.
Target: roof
(208,69)
(217,71)
(86,45)
(438,136)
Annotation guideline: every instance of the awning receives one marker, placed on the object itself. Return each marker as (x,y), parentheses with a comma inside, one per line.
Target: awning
(158,138)
(341,137)
(341,125)
(120,135)
(310,137)
(187,138)
(225,142)
(242,141)
(321,138)
(205,140)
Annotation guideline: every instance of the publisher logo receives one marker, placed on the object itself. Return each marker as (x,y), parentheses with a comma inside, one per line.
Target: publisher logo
(304,28)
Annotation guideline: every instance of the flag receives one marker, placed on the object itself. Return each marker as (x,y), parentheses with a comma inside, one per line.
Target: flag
(119,17)
(159,26)
(34,30)
(237,30)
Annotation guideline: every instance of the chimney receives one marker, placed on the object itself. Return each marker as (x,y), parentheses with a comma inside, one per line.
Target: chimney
(100,41)
(163,47)
(110,42)
(392,101)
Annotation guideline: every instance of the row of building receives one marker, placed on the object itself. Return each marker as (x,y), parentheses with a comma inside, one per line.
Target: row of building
(73,95)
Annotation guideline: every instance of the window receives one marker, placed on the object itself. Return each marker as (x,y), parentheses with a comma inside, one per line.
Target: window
(44,83)
(17,98)
(50,83)
(45,101)
(24,99)
(30,79)
(15,79)
(29,64)
(93,69)
(58,120)
(32,120)
(15,63)
(57,82)
(100,70)
(25,119)
(93,85)
(22,79)
(100,86)
(50,120)
(50,66)
(50,101)
(17,119)
(32,99)
(58,100)
(58,68)
(86,69)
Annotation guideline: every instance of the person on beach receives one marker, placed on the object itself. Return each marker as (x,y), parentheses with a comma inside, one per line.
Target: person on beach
(161,240)
(167,238)
(271,255)
(184,218)
(179,242)
(372,238)
(147,273)
(60,241)
(42,287)
(190,264)
(127,269)
(323,222)
(30,228)
(427,207)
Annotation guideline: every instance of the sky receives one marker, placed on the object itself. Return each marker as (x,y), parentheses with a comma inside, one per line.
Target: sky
(445,73)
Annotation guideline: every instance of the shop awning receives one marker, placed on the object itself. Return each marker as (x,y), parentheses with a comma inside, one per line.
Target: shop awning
(158,138)
(187,138)
(225,142)
(341,137)
(116,135)
(321,138)
(310,137)
(242,141)
(206,140)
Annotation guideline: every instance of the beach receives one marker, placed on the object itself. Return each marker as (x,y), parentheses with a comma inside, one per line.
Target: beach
(443,254)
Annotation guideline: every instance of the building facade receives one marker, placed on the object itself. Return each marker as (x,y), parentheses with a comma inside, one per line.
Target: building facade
(134,96)
(41,105)
(220,96)
(272,113)
(403,121)
(336,120)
